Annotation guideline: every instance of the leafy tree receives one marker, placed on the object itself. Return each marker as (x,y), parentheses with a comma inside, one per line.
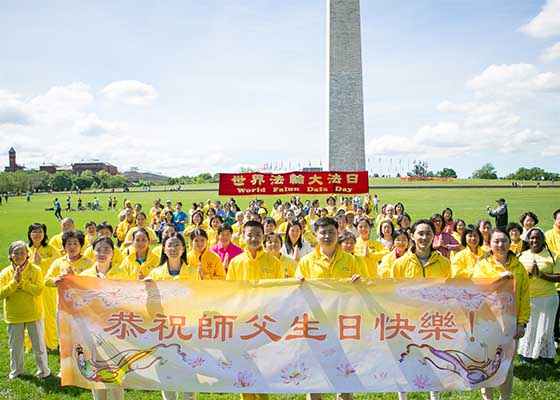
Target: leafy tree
(447,173)
(487,171)
(61,181)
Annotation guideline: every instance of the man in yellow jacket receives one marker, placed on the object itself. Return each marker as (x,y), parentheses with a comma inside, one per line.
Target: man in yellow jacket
(254,264)
(21,286)
(327,261)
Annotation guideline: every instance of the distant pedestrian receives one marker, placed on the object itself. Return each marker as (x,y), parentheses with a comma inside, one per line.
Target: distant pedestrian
(6,197)
(57,209)
(28,196)
(500,213)
(68,203)
(376,203)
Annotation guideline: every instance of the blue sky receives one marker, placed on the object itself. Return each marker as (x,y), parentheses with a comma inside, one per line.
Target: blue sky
(187,87)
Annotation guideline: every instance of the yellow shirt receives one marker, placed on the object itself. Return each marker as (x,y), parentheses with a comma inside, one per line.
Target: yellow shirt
(154,215)
(122,229)
(186,273)
(22,300)
(318,265)
(47,254)
(386,266)
(56,242)
(462,264)
(212,236)
(374,247)
(131,266)
(539,287)
(517,248)
(212,266)
(60,266)
(553,239)
(246,268)
(114,272)
(409,266)
(157,250)
(367,265)
(117,259)
(289,266)
(489,268)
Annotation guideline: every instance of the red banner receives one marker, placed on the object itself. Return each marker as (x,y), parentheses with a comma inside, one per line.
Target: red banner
(324,182)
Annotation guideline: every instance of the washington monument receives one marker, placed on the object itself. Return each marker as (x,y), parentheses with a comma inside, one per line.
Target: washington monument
(346,98)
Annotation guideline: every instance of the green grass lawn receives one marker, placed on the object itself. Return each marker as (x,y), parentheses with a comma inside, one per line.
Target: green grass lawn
(531,381)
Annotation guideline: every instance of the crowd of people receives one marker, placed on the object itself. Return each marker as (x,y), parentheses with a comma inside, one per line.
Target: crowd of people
(350,238)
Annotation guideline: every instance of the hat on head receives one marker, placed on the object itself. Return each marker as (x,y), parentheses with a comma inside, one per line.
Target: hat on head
(501,199)
(168,201)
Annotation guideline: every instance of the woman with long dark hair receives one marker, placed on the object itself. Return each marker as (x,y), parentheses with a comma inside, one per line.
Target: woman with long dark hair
(294,246)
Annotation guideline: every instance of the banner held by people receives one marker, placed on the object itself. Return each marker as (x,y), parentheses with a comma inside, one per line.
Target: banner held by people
(283,336)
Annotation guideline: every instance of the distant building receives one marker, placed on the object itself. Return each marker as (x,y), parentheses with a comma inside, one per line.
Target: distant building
(13,167)
(95,167)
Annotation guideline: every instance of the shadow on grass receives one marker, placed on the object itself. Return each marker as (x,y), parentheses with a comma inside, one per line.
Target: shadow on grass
(52,385)
(537,372)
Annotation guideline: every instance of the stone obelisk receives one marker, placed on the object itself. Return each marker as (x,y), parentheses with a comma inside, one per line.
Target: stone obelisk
(346,98)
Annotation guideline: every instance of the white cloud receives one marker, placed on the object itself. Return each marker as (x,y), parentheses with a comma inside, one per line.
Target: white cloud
(130,92)
(91,125)
(546,23)
(13,111)
(62,103)
(551,53)
(513,79)
(443,134)
(551,151)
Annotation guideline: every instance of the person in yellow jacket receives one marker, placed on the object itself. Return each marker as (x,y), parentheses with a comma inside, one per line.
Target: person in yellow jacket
(553,235)
(90,234)
(174,266)
(173,263)
(124,226)
(71,263)
(462,264)
(458,227)
(367,264)
(374,247)
(196,223)
(140,260)
(141,222)
(543,267)
(21,286)
(501,263)
(328,260)
(42,254)
(213,227)
(401,243)
(422,261)
(167,229)
(104,269)
(272,245)
(485,227)
(105,229)
(66,225)
(518,245)
(209,264)
(254,264)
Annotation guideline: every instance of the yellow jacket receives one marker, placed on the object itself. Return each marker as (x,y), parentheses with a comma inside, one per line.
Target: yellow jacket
(117,259)
(289,266)
(386,266)
(212,266)
(131,266)
(367,265)
(548,264)
(246,268)
(317,265)
(462,264)
(122,229)
(47,254)
(553,239)
(409,266)
(186,273)
(489,268)
(375,248)
(115,272)
(56,242)
(157,250)
(22,300)
(60,266)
